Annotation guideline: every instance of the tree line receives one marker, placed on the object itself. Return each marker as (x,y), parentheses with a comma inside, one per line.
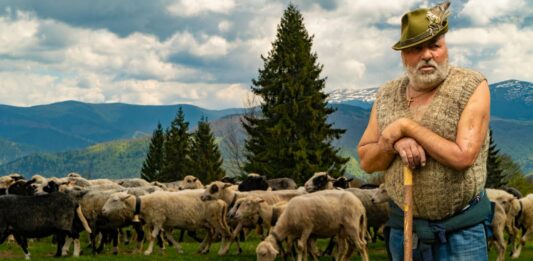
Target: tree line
(176,153)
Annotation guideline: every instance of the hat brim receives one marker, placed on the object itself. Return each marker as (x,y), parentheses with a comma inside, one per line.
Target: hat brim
(400,45)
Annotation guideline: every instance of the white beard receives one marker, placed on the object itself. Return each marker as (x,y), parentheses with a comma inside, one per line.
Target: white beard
(422,81)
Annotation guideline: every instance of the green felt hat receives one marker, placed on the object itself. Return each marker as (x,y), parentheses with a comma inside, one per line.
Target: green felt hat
(422,25)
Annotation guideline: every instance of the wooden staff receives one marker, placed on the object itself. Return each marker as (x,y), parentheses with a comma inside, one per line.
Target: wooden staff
(408,214)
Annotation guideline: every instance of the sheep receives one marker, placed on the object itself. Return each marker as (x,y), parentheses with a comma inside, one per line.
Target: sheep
(223,191)
(377,213)
(281,183)
(255,208)
(133,182)
(319,181)
(322,214)
(190,182)
(254,181)
(40,216)
(220,190)
(165,211)
(524,219)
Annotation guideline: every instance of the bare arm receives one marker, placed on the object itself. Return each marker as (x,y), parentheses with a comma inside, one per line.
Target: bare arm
(375,154)
(471,132)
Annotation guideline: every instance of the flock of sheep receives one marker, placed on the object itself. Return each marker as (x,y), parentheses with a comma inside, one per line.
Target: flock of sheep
(294,217)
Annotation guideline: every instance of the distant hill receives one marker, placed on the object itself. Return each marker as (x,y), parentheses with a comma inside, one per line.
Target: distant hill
(71,125)
(513,132)
(116,159)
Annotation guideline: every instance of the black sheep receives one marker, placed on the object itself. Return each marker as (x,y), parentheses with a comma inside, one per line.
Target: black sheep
(37,217)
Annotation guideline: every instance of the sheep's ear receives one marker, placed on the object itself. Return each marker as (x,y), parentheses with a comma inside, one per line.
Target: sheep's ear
(330,178)
(226,185)
(350,179)
(195,179)
(124,197)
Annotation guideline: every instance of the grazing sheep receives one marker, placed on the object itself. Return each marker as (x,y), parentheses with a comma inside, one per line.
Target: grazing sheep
(322,214)
(165,211)
(257,210)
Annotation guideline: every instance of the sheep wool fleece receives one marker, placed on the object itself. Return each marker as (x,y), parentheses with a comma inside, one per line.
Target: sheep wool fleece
(438,191)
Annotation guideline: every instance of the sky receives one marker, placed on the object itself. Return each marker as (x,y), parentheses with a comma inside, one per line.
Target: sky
(206,52)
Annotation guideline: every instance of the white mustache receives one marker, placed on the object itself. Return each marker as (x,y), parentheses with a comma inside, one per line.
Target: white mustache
(426,63)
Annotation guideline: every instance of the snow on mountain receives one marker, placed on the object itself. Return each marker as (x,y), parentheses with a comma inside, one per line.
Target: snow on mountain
(343,95)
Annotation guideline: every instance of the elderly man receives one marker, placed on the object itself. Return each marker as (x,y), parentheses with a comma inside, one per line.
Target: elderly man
(434,119)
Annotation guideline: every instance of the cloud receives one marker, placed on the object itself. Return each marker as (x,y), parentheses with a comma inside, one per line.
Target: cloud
(196,7)
(481,12)
(170,51)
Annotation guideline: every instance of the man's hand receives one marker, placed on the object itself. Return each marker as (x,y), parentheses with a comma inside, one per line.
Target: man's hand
(411,152)
(393,131)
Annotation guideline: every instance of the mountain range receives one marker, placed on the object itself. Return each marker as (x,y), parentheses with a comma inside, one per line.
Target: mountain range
(102,139)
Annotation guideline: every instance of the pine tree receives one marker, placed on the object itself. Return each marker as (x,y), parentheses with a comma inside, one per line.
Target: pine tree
(205,154)
(153,163)
(177,150)
(292,137)
(495,175)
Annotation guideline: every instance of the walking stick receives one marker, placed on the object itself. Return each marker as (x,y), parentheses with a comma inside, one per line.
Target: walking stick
(408,214)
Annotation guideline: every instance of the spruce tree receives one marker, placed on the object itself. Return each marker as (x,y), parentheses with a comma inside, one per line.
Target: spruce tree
(495,175)
(292,137)
(205,154)
(177,150)
(152,165)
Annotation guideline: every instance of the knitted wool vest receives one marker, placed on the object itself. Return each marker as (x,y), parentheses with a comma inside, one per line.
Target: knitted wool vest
(438,191)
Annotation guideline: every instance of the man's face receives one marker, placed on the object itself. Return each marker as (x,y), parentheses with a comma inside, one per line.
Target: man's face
(426,64)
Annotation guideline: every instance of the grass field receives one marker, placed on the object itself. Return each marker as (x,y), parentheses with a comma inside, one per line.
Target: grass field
(44,250)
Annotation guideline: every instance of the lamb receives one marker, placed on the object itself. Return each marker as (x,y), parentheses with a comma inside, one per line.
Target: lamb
(319,181)
(322,214)
(165,211)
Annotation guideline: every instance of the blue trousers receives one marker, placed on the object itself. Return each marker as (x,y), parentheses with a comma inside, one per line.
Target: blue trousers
(463,245)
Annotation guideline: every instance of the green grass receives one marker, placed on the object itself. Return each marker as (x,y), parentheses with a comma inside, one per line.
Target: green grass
(44,250)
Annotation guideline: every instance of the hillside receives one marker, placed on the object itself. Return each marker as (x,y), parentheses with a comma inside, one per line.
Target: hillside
(116,159)
(513,132)
(72,125)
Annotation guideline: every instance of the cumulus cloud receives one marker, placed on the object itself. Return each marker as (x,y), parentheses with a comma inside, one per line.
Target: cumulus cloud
(482,13)
(195,7)
(206,52)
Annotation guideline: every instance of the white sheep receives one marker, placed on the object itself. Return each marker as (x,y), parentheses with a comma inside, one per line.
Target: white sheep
(190,182)
(524,219)
(165,211)
(323,214)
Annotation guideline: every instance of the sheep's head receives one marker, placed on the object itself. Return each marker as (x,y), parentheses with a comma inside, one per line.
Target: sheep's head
(117,203)
(247,208)
(215,190)
(319,181)
(265,251)
(380,195)
(191,182)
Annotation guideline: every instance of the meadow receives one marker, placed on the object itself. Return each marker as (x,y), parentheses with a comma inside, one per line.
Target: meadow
(43,249)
